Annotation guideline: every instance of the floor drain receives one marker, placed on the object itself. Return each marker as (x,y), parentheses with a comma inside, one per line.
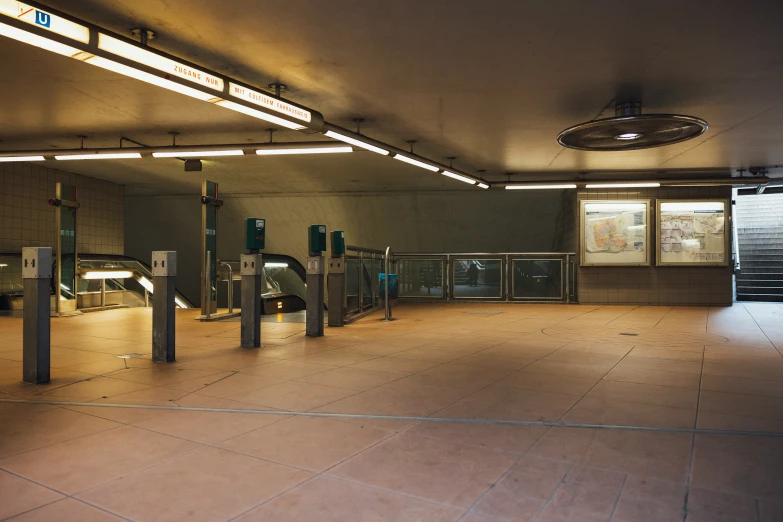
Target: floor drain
(483,312)
(629,334)
(130,356)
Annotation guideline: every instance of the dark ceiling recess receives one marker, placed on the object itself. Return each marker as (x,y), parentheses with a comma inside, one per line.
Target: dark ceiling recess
(631,130)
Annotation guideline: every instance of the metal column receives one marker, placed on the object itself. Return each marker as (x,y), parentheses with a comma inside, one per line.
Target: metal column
(251,271)
(37,275)
(164,272)
(315,296)
(336,287)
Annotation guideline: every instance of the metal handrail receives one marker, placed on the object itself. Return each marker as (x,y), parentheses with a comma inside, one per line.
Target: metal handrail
(230,285)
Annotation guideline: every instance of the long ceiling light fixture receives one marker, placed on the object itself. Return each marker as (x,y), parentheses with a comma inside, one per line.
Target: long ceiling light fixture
(198,154)
(459,177)
(12,159)
(328,149)
(415,162)
(178,151)
(622,185)
(99,156)
(358,143)
(53,31)
(551,186)
(57,32)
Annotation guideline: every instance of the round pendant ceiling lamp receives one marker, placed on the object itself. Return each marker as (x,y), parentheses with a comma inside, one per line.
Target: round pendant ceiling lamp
(629,129)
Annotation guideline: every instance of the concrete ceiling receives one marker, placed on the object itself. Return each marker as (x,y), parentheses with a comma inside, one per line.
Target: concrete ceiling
(492,83)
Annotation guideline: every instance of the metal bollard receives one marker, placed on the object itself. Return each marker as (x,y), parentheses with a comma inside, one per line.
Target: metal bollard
(164,274)
(251,270)
(336,289)
(315,297)
(37,275)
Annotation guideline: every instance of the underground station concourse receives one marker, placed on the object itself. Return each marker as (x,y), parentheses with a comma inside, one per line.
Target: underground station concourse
(391,261)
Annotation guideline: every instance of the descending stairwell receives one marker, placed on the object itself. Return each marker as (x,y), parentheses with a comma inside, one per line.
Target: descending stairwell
(759,219)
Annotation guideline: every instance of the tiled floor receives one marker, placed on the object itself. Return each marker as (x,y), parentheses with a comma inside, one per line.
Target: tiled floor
(690,378)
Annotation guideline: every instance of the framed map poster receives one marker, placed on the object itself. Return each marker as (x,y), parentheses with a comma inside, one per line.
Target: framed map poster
(615,232)
(694,233)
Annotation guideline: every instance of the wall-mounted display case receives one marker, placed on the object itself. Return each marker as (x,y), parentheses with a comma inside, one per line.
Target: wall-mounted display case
(615,233)
(693,233)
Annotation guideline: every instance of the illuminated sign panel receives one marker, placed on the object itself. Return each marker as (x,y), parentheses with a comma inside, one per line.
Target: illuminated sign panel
(45,20)
(268,102)
(150,59)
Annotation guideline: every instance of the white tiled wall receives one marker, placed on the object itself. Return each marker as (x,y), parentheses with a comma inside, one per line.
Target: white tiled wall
(27,219)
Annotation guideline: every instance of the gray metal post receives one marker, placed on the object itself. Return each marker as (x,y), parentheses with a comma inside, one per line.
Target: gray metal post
(336,287)
(207,294)
(315,296)
(387,268)
(164,273)
(103,292)
(251,271)
(37,275)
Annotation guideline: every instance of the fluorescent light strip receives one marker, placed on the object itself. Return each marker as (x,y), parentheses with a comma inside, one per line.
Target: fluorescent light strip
(275,265)
(150,59)
(129,155)
(196,154)
(9,159)
(37,41)
(621,185)
(44,20)
(147,77)
(146,283)
(418,163)
(464,179)
(179,303)
(539,187)
(483,185)
(358,143)
(258,114)
(303,150)
(268,102)
(123,274)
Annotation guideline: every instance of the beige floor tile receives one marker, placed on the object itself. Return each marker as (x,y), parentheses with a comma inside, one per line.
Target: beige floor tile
(514,439)
(567,369)
(500,402)
(233,385)
(67,510)
(96,388)
(286,370)
(621,413)
(570,445)
(207,427)
(546,382)
(721,505)
(648,455)
(633,510)
(645,394)
(340,357)
(666,365)
(672,355)
(294,396)
(395,365)
(740,404)
(18,495)
(331,500)
(720,383)
(427,354)
(162,376)
(86,462)
(719,421)
(437,470)
(210,484)
(741,465)
(37,430)
(655,377)
(307,442)
(351,378)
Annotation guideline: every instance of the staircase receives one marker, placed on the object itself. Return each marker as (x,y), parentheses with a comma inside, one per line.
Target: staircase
(759,219)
